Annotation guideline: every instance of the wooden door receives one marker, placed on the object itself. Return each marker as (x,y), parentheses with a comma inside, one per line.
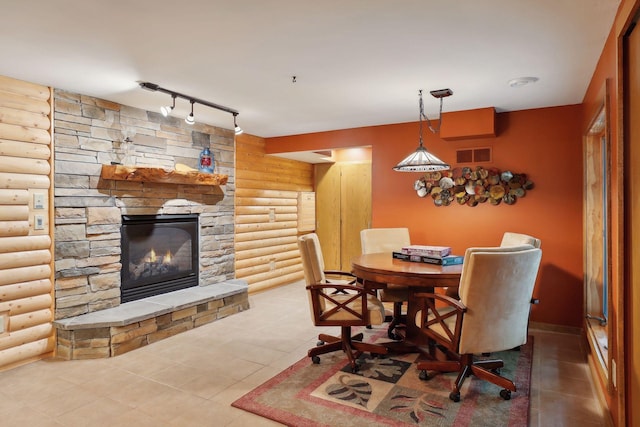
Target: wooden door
(355,212)
(343,208)
(327,186)
(632,224)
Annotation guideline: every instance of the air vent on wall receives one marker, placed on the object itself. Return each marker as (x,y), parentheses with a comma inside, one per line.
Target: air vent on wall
(473,155)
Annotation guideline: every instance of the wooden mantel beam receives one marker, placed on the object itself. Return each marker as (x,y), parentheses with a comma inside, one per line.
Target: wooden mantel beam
(151,174)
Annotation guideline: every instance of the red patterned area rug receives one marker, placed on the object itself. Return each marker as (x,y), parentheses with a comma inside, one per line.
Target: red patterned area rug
(387,392)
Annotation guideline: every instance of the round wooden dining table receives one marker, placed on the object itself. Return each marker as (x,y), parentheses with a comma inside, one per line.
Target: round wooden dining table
(375,270)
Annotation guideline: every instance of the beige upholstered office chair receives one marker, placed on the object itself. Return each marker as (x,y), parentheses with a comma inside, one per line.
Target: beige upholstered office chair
(388,240)
(496,288)
(516,239)
(341,304)
(508,239)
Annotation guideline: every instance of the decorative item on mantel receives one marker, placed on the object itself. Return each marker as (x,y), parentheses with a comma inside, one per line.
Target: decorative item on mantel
(468,186)
(205,165)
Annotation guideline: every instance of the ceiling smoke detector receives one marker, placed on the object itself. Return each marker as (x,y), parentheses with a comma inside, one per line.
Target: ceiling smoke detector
(522,81)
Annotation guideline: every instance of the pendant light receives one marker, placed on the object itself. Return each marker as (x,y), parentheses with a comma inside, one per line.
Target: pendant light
(421,160)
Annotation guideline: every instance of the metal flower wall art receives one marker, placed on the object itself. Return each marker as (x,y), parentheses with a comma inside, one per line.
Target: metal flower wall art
(467,186)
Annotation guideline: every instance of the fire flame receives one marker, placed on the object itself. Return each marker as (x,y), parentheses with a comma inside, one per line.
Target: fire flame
(165,259)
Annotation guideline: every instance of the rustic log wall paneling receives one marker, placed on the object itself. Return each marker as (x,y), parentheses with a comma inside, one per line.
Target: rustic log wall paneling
(26,303)
(266,228)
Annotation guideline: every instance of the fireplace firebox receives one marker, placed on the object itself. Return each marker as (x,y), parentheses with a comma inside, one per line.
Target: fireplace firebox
(159,254)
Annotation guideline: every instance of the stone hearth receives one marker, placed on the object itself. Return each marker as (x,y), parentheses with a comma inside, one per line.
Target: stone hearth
(132,325)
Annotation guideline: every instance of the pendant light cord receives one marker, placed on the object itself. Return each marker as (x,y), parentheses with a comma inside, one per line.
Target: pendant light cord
(422,115)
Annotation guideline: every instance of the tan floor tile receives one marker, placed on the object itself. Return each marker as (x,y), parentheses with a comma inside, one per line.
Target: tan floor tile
(139,392)
(97,413)
(21,416)
(176,375)
(249,419)
(209,414)
(558,409)
(69,400)
(135,418)
(208,384)
(171,404)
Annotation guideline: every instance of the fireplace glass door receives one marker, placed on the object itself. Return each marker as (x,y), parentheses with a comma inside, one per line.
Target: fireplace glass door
(159,254)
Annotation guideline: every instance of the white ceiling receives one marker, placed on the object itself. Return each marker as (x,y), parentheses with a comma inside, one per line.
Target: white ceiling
(356,62)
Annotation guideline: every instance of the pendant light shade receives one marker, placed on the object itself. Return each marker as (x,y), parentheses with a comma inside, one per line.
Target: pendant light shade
(421,160)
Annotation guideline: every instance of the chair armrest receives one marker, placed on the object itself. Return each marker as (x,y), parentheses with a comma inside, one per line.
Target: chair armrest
(344,286)
(341,299)
(338,273)
(434,321)
(338,287)
(455,303)
(341,275)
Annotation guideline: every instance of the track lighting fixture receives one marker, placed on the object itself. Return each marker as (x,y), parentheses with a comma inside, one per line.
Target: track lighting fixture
(166,110)
(237,128)
(190,118)
(421,160)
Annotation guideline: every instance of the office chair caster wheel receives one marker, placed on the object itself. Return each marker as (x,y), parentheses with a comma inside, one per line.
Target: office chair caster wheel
(455,396)
(505,394)
(424,375)
(315,360)
(393,336)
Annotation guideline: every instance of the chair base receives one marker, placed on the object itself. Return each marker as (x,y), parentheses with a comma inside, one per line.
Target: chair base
(351,345)
(465,365)
(397,324)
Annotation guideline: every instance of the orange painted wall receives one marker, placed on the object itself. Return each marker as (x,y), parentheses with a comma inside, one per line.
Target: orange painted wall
(544,143)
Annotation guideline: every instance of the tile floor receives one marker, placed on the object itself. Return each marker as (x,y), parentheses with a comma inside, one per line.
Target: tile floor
(192,378)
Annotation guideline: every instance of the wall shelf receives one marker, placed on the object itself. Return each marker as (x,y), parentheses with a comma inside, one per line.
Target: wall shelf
(151,174)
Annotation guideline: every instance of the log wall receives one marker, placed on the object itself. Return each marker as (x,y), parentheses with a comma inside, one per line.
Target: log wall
(26,303)
(266,228)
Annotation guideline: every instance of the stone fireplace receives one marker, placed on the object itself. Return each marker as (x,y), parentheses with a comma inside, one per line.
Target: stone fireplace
(100,310)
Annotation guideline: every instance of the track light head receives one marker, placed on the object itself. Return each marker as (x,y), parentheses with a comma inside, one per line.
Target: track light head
(238,130)
(166,110)
(190,119)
